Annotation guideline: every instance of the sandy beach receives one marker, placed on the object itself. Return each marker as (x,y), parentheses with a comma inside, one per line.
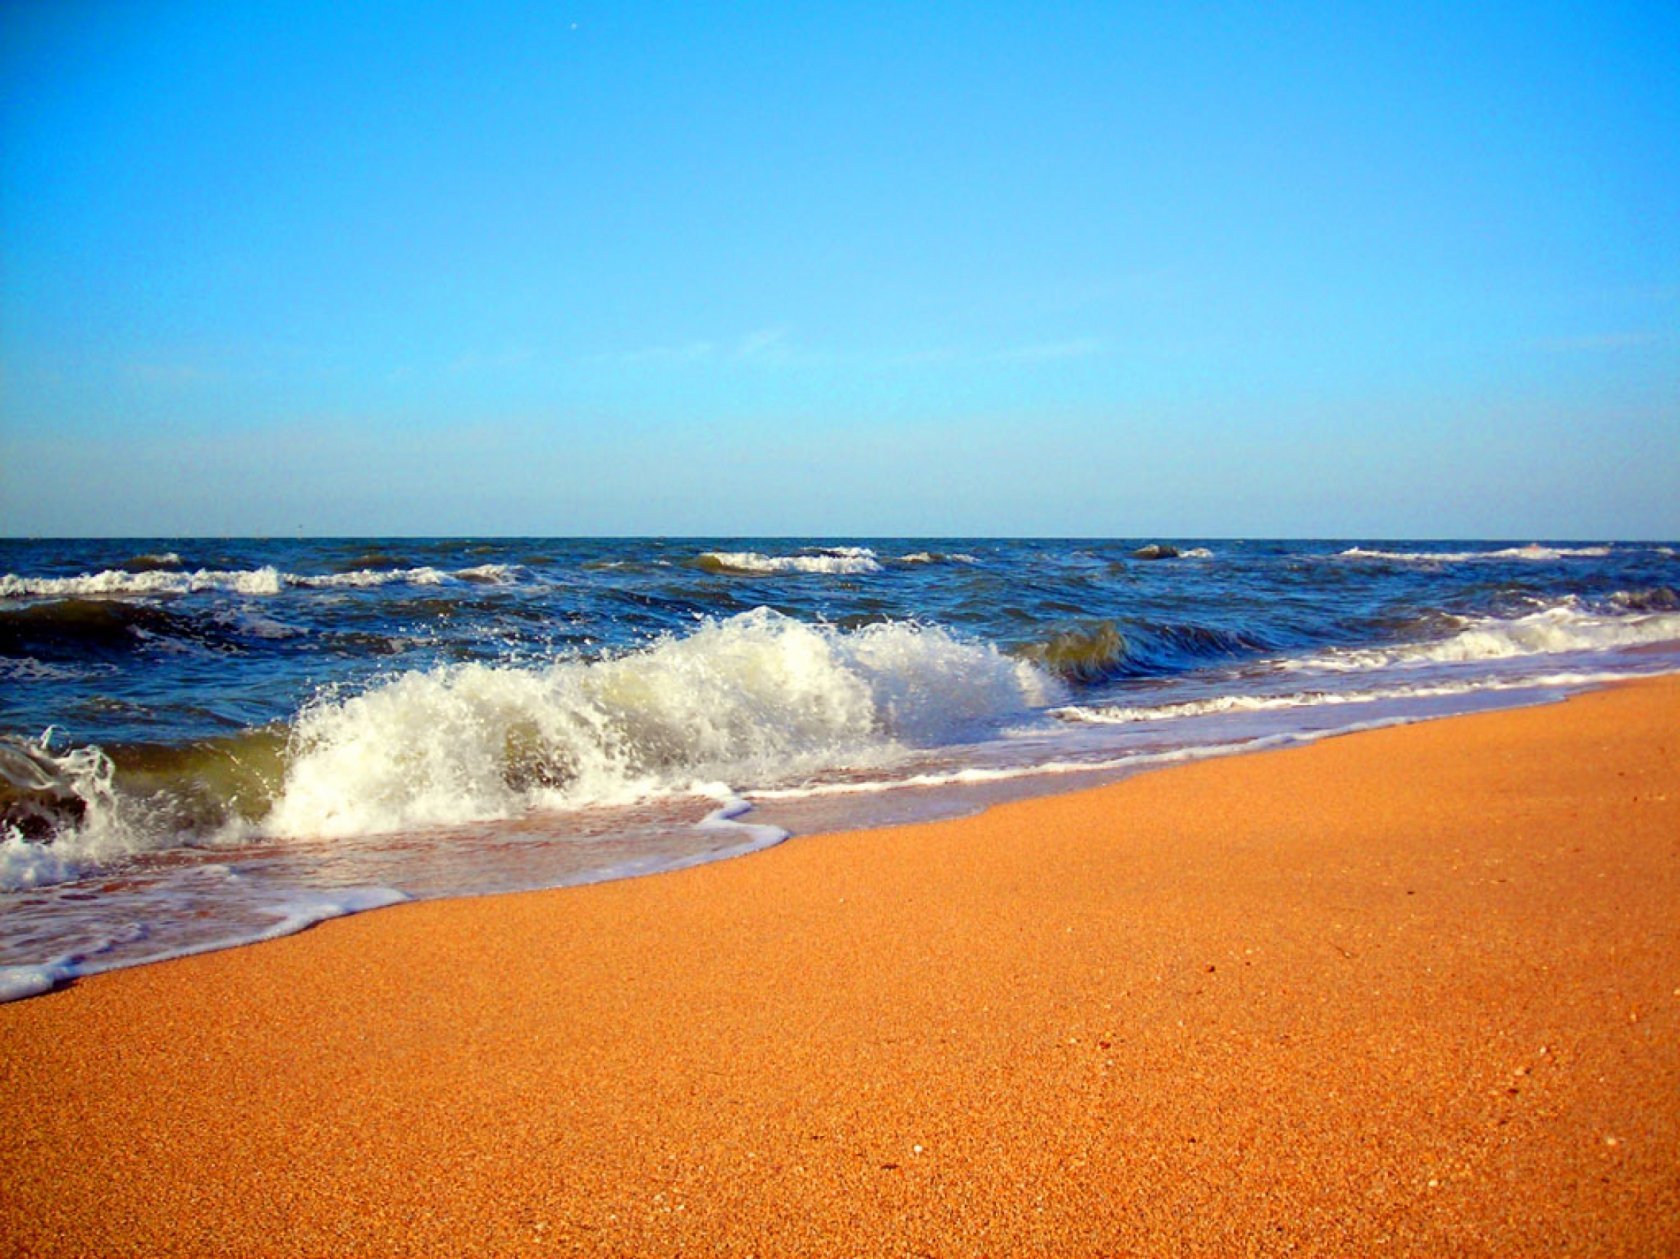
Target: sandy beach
(1413,990)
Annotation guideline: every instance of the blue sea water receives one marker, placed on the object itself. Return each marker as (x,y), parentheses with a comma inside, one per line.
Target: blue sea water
(208,741)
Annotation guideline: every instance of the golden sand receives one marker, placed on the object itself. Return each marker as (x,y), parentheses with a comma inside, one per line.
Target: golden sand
(1409,991)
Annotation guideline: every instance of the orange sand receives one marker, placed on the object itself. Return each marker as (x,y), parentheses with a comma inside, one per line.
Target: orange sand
(1409,991)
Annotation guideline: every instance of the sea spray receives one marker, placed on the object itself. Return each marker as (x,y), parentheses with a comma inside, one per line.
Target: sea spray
(754,698)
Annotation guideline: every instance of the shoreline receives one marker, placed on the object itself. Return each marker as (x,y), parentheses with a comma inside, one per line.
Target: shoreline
(939,801)
(1414,989)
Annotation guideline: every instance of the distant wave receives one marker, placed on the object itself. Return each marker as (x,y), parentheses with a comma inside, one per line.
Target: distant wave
(937,557)
(1566,626)
(1533,551)
(112,581)
(831,559)
(255,581)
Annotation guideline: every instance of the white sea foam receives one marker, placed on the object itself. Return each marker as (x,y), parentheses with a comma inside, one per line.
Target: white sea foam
(491,574)
(305,909)
(255,581)
(753,698)
(1561,628)
(364,577)
(933,557)
(18,982)
(834,559)
(1196,553)
(28,669)
(24,865)
(1120,714)
(1533,551)
(974,776)
(294,913)
(109,826)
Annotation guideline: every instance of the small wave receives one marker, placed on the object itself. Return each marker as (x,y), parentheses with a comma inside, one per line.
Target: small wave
(838,559)
(256,581)
(361,578)
(74,630)
(490,574)
(937,557)
(1102,651)
(43,797)
(1564,627)
(1656,599)
(375,558)
(1092,653)
(64,814)
(150,563)
(1533,551)
(1119,714)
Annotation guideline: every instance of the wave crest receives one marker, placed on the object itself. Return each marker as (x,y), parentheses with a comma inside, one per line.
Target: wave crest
(1533,551)
(758,697)
(255,581)
(1564,627)
(833,559)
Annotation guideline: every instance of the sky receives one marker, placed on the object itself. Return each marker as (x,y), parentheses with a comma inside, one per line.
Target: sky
(1058,269)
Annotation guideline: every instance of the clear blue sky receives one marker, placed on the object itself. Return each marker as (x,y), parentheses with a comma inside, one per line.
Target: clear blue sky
(569,268)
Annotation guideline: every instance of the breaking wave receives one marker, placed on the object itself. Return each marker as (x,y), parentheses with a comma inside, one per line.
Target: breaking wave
(1533,551)
(255,581)
(938,557)
(1564,627)
(831,559)
(759,698)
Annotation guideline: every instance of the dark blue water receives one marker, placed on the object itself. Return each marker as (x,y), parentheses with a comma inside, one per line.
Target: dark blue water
(206,740)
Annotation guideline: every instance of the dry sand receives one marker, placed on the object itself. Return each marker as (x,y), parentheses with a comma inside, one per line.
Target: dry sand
(1409,991)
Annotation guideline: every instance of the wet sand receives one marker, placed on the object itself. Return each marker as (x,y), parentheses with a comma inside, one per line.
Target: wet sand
(1409,991)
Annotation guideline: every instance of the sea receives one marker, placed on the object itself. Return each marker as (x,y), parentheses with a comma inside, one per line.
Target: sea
(207,742)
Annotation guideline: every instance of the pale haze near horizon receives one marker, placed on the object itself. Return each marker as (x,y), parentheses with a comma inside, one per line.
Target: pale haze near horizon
(565,269)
